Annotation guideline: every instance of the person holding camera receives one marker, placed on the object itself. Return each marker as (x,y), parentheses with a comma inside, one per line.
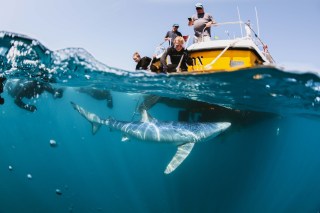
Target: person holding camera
(201,23)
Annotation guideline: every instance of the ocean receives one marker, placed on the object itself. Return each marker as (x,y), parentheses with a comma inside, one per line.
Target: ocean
(267,161)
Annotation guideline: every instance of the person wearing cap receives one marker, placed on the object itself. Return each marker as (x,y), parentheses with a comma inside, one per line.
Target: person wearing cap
(201,23)
(171,35)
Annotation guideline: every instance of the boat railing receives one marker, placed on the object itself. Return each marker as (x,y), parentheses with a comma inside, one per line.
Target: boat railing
(249,34)
(245,25)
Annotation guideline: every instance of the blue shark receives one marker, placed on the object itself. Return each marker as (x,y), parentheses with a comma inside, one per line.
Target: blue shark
(182,134)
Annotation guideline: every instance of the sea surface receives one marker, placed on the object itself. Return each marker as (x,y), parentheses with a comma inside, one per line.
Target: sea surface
(267,161)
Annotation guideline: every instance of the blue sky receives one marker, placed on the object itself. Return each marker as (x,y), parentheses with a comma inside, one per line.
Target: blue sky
(112,30)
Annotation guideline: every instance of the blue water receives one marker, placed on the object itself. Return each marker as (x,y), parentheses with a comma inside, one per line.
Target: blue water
(268,161)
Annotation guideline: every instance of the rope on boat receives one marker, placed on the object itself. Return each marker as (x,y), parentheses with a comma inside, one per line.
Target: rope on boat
(265,47)
(208,66)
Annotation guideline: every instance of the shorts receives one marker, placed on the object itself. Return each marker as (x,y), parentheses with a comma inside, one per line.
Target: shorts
(199,39)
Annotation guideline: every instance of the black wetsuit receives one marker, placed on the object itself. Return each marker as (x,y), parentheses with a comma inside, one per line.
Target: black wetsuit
(175,57)
(31,89)
(143,63)
(2,80)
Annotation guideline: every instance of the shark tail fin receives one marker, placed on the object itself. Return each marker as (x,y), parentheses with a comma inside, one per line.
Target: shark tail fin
(94,119)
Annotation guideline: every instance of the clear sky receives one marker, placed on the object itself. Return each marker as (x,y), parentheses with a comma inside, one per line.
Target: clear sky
(113,30)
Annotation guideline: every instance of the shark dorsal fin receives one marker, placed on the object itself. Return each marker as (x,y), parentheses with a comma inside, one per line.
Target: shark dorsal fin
(145,117)
(181,154)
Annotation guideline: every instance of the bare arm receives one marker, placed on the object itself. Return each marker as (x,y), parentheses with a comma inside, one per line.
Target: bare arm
(210,23)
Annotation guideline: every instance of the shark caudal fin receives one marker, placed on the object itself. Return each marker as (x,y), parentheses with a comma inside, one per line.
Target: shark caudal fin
(95,120)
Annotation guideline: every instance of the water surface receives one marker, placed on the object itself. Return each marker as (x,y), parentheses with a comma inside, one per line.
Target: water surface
(267,161)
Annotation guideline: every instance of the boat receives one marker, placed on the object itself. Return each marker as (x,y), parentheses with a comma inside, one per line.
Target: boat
(225,55)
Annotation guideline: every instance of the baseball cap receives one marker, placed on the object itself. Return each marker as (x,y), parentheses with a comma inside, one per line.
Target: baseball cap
(175,25)
(199,5)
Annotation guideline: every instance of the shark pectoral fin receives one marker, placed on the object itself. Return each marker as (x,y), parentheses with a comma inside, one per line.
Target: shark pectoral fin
(125,138)
(95,127)
(95,120)
(181,154)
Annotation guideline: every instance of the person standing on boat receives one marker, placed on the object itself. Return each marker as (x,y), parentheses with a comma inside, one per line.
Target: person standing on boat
(142,63)
(177,55)
(171,35)
(202,24)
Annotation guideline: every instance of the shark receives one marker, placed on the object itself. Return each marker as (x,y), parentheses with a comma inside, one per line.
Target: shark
(183,135)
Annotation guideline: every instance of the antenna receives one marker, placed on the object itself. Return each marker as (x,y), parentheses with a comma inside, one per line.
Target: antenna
(257,21)
(240,21)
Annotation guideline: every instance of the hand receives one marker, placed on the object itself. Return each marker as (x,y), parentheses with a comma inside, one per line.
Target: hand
(208,24)
(58,93)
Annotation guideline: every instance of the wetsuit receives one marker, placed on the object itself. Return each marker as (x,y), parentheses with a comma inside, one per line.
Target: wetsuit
(2,80)
(175,57)
(31,89)
(143,63)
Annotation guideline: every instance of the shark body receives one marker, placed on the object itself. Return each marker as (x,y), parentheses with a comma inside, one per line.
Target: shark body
(182,134)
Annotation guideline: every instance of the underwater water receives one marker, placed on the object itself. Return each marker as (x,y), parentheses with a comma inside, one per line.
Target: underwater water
(267,161)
